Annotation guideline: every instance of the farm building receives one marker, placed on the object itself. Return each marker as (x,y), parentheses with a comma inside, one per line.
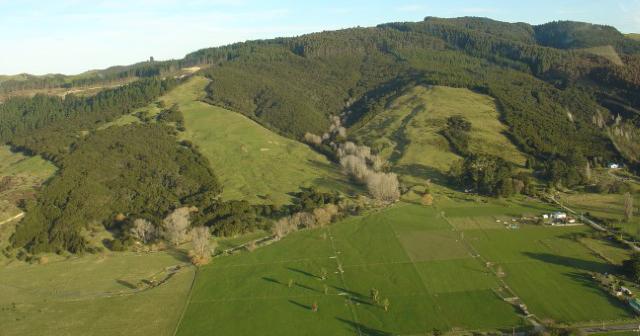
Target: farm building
(559,215)
(613,165)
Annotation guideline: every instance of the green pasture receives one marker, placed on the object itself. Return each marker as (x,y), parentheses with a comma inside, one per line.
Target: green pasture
(435,275)
(408,132)
(93,295)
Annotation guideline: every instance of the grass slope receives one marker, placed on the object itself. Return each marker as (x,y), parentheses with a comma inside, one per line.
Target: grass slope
(252,162)
(92,295)
(408,131)
(416,258)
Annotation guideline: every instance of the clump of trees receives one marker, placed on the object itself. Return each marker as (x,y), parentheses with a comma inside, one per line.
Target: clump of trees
(489,175)
(631,267)
(319,217)
(364,167)
(457,132)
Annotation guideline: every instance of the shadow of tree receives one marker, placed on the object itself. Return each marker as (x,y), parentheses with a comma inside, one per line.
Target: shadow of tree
(272,280)
(361,329)
(126,284)
(303,306)
(581,264)
(303,272)
(423,172)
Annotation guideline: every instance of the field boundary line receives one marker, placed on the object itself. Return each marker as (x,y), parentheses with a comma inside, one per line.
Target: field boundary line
(354,314)
(187,302)
(420,277)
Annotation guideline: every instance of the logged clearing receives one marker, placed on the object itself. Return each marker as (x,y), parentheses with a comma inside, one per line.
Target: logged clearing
(607,52)
(252,162)
(408,131)
(434,275)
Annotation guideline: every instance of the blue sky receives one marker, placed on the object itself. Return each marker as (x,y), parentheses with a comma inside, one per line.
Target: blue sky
(71,36)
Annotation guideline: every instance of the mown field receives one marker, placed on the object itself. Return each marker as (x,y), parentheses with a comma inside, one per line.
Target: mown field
(252,162)
(429,263)
(408,131)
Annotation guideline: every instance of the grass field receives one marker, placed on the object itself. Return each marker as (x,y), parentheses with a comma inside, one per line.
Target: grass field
(608,207)
(434,275)
(92,295)
(252,162)
(408,132)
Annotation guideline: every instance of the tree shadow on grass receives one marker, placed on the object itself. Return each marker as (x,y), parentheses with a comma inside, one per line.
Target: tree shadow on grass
(586,281)
(303,272)
(272,280)
(584,265)
(307,287)
(179,255)
(361,329)
(126,284)
(303,306)
(350,292)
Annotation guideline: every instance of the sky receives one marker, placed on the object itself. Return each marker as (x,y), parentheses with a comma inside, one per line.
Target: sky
(72,36)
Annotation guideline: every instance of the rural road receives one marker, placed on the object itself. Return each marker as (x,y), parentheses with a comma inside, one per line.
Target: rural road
(18,216)
(621,327)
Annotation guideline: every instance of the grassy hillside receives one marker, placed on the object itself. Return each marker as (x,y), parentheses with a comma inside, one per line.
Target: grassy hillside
(634,36)
(415,257)
(93,295)
(252,162)
(408,131)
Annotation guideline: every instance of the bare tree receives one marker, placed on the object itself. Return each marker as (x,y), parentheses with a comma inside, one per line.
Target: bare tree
(628,207)
(304,219)
(587,171)
(175,225)
(355,166)
(384,186)
(200,238)
(280,228)
(322,216)
(143,230)
(312,138)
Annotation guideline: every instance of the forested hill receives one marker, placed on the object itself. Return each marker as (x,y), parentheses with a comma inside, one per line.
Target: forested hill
(556,95)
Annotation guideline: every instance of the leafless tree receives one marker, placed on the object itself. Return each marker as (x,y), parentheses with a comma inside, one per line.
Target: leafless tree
(200,238)
(384,186)
(355,166)
(175,225)
(312,138)
(322,216)
(628,207)
(143,230)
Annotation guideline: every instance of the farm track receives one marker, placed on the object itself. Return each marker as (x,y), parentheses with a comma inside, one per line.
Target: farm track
(18,216)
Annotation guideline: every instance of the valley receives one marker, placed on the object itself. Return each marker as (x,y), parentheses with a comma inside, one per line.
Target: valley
(409,178)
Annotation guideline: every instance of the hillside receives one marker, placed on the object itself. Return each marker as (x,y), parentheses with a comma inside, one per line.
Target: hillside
(409,131)
(251,162)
